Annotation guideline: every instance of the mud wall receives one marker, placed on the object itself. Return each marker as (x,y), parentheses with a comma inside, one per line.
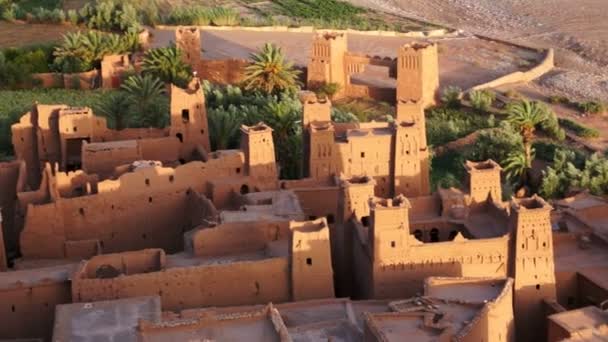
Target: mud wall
(542,68)
(376,93)
(468,258)
(237,237)
(9,185)
(310,29)
(226,71)
(29,311)
(239,283)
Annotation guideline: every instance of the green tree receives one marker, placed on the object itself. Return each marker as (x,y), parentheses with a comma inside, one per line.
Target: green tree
(269,72)
(451,97)
(167,64)
(224,127)
(147,103)
(526,116)
(482,100)
(116,107)
(517,167)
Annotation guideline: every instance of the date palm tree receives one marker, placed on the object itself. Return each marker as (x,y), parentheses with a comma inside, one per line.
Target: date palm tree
(116,107)
(145,95)
(269,72)
(526,116)
(517,167)
(167,64)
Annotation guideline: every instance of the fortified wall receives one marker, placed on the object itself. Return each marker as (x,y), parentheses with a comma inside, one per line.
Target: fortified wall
(415,69)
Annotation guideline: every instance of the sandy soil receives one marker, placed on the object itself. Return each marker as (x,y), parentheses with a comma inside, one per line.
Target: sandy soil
(578,29)
(464,62)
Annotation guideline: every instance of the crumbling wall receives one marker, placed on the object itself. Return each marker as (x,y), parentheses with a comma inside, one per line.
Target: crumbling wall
(131,212)
(27,309)
(238,283)
(12,179)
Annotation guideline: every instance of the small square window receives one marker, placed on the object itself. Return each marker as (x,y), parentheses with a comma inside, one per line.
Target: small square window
(309,261)
(393,244)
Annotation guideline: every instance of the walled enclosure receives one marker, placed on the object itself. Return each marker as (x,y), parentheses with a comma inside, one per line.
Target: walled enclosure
(302,272)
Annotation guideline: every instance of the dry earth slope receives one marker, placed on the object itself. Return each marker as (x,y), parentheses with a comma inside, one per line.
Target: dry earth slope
(577,29)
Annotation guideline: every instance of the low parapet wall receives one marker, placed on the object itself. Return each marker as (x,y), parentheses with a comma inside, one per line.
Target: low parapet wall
(546,65)
(310,29)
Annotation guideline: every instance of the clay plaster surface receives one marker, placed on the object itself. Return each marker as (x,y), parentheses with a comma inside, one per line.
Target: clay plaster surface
(104,321)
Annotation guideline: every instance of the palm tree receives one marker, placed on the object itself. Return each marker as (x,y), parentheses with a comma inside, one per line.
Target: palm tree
(526,116)
(145,95)
(115,107)
(167,64)
(224,127)
(517,167)
(269,72)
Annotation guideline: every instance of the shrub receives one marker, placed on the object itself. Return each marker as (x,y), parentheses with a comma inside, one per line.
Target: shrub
(221,16)
(592,107)
(18,64)
(557,99)
(578,129)
(73,17)
(338,115)
(482,100)
(328,90)
(195,15)
(496,143)
(444,125)
(110,15)
(43,15)
(451,97)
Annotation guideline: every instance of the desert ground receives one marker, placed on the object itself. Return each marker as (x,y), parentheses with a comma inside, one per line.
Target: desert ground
(577,29)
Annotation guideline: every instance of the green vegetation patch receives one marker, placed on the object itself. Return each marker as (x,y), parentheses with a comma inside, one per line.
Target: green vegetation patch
(579,129)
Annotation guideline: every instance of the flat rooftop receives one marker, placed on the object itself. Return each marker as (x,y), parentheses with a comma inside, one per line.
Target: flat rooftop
(572,256)
(580,319)
(114,320)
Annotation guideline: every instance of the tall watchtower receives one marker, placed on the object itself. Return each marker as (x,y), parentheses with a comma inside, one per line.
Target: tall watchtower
(389,230)
(326,63)
(483,181)
(188,40)
(323,159)
(532,264)
(258,145)
(418,73)
(189,118)
(411,160)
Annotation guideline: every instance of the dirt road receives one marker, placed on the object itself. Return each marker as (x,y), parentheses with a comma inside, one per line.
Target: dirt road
(577,29)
